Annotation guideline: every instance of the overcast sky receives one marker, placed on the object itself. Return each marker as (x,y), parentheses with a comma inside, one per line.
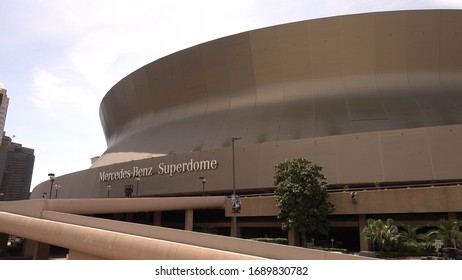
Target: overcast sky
(58,58)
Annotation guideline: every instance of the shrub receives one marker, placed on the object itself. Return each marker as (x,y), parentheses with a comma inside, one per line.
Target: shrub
(415,248)
(282,241)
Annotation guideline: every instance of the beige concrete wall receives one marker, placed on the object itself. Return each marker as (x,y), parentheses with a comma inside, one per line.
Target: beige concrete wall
(421,200)
(32,208)
(387,201)
(127,205)
(427,154)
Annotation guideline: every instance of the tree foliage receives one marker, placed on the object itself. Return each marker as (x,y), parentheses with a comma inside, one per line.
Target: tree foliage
(384,236)
(410,233)
(301,196)
(448,231)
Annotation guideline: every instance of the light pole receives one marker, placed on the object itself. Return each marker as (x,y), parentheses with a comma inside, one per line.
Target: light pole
(234,222)
(108,187)
(57,187)
(52,179)
(203,184)
(137,178)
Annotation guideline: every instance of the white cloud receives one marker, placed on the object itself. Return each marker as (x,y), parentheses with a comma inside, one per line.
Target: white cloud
(59,96)
(448,3)
(108,41)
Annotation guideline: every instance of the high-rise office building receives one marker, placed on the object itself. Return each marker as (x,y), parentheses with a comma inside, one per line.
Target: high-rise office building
(16,167)
(16,161)
(4,100)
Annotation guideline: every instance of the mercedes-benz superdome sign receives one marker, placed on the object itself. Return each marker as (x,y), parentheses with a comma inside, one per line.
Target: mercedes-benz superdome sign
(163,169)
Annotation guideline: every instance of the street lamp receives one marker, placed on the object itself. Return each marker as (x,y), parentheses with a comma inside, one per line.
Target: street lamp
(108,187)
(234,223)
(57,187)
(203,184)
(137,178)
(52,179)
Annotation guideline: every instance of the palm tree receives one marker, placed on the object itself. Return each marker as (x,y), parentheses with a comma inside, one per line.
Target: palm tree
(448,232)
(384,235)
(410,234)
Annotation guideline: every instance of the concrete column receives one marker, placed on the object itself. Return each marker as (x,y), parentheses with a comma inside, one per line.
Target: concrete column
(189,219)
(38,250)
(293,237)
(3,242)
(29,247)
(157,218)
(363,243)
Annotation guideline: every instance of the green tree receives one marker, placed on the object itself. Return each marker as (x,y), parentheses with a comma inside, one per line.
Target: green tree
(410,233)
(414,243)
(383,235)
(301,196)
(448,232)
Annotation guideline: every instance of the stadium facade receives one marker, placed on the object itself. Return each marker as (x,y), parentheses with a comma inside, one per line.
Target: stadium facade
(372,97)
(375,98)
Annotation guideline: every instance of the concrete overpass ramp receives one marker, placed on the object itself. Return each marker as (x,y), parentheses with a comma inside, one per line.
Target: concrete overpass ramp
(96,238)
